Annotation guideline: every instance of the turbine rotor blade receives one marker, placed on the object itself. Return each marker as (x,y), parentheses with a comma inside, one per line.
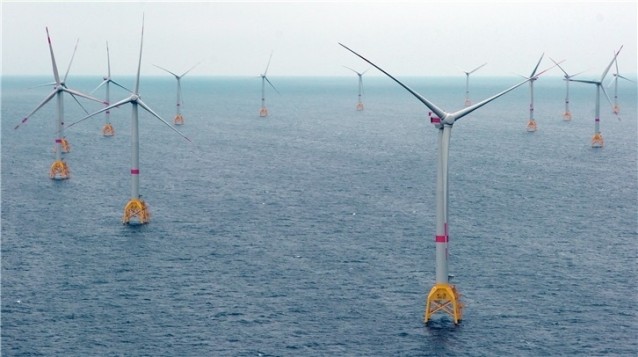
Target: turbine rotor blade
(538,75)
(43,85)
(121,86)
(584,81)
(121,102)
(273,87)
(146,107)
(98,87)
(42,103)
(477,68)
(607,96)
(166,70)
(561,68)
(71,61)
(463,112)
(80,94)
(353,70)
(610,63)
(538,64)
(80,104)
(108,60)
(625,78)
(190,69)
(139,63)
(423,100)
(55,66)
(268,65)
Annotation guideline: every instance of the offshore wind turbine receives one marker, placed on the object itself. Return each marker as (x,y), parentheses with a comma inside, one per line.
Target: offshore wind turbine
(531,124)
(263,112)
(136,210)
(443,296)
(179,119)
(597,140)
(107,129)
(567,115)
(59,169)
(360,75)
(468,102)
(616,109)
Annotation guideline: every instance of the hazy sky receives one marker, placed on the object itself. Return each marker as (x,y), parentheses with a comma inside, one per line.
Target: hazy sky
(425,38)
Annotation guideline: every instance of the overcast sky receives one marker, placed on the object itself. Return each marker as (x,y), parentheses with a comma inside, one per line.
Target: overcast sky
(424,38)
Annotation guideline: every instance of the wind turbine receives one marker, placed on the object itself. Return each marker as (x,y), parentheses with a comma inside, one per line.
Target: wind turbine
(263,112)
(443,296)
(468,102)
(597,140)
(136,210)
(108,130)
(616,109)
(179,119)
(567,115)
(531,124)
(359,103)
(59,169)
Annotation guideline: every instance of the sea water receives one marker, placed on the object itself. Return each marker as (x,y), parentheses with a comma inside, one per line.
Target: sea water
(311,231)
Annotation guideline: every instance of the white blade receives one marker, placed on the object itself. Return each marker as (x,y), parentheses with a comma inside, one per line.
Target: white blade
(610,63)
(625,78)
(121,86)
(268,65)
(166,70)
(353,70)
(79,94)
(80,104)
(100,86)
(141,104)
(273,87)
(439,112)
(190,69)
(477,68)
(608,99)
(584,81)
(43,85)
(561,68)
(71,61)
(538,64)
(55,66)
(44,101)
(139,63)
(121,102)
(547,69)
(463,112)
(108,60)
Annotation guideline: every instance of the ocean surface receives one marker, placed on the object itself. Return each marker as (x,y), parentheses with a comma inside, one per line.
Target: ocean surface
(311,232)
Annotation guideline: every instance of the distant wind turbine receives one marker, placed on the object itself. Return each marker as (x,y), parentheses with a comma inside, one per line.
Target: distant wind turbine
(468,102)
(597,140)
(108,130)
(360,74)
(263,112)
(531,124)
(443,296)
(59,169)
(616,109)
(179,119)
(136,210)
(567,115)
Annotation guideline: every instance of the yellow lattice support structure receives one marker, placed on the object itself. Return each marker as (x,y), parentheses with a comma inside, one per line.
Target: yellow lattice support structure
(443,297)
(567,116)
(263,112)
(597,141)
(137,211)
(179,120)
(108,130)
(59,170)
(531,125)
(66,147)
(359,106)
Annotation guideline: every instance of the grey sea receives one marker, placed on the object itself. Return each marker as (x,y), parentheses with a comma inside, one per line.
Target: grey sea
(311,232)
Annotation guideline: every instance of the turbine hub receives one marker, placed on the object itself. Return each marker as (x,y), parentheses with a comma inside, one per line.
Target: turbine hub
(135,97)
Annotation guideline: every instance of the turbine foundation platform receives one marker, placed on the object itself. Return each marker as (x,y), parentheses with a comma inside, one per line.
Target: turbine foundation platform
(616,109)
(263,112)
(59,170)
(108,130)
(531,125)
(468,102)
(444,297)
(179,120)
(136,212)
(64,145)
(359,106)
(597,141)
(567,116)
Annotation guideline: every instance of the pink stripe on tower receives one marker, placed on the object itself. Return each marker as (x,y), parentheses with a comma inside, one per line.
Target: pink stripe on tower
(135,171)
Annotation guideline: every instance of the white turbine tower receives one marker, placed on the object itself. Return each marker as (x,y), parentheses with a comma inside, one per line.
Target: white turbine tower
(468,102)
(59,169)
(360,75)
(136,210)
(597,140)
(179,119)
(263,112)
(616,109)
(108,130)
(567,115)
(443,296)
